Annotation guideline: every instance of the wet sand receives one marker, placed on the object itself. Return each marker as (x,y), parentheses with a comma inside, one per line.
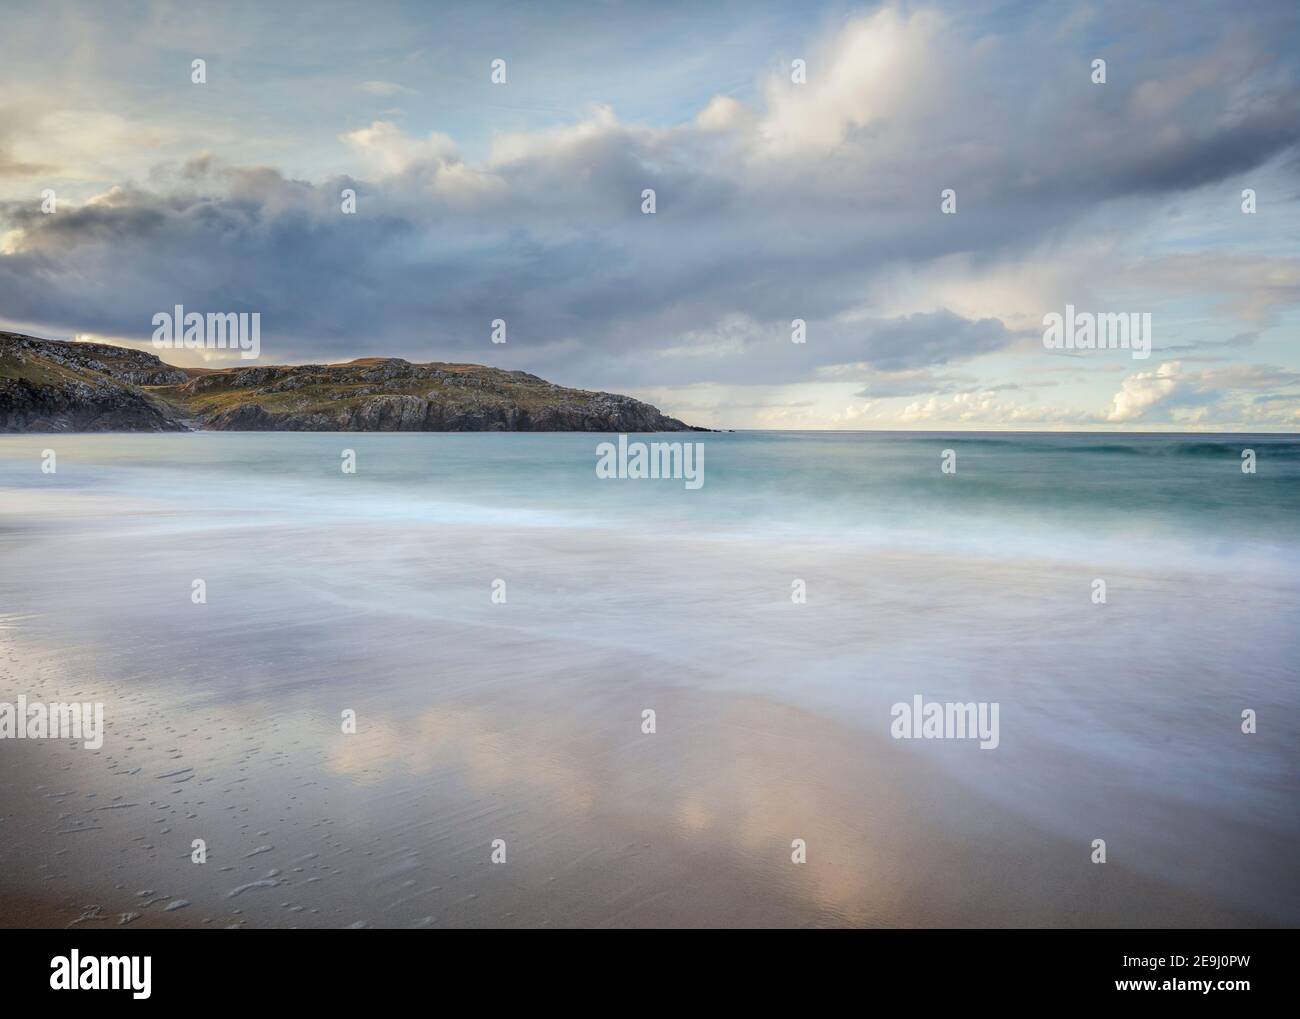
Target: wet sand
(604,825)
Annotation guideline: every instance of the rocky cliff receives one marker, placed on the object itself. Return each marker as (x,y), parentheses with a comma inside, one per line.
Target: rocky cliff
(55,386)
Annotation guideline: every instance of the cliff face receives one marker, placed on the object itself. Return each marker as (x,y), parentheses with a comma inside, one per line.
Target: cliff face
(53,386)
(48,385)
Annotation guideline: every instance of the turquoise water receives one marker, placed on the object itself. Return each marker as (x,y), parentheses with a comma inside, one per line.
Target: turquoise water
(1061,496)
(1121,719)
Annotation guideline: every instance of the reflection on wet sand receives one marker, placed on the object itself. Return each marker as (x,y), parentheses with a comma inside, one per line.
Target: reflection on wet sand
(604,825)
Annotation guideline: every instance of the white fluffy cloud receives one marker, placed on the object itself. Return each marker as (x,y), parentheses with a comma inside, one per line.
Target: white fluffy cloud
(880,73)
(1143,390)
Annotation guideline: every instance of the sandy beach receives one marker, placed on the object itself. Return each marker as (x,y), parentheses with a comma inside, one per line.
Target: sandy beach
(522,721)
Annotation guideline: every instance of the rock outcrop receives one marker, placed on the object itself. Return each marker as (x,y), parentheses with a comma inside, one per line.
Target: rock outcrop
(55,386)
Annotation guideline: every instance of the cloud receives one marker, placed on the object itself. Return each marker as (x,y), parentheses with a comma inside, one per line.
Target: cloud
(1171,393)
(385,150)
(817,202)
(1140,392)
(1254,288)
(67,144)
(11,166)
(928,338)
(984,407)
(870,79)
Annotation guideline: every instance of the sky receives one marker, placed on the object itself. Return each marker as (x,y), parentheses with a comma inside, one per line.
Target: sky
(777,200)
